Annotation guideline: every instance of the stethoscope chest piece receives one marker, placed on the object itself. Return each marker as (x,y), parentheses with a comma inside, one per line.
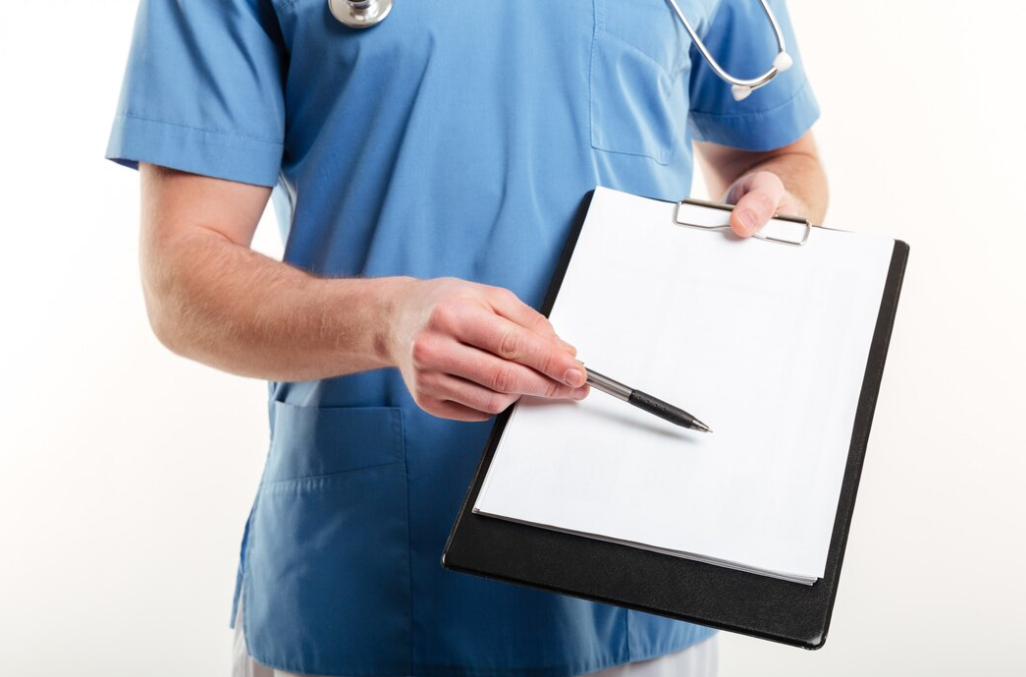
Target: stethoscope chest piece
(360,13)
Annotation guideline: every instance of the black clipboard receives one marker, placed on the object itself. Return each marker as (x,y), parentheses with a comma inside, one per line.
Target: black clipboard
(706,594)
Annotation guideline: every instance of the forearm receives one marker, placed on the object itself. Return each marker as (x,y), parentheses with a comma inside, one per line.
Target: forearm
(797,166)
(220,303)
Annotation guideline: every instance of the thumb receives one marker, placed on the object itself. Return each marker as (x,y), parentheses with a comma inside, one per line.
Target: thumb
(758,198)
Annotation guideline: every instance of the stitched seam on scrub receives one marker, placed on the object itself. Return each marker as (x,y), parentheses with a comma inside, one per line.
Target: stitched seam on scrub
(577,668)
(132,116)
(313,480)
(663,158)
(663,651)
(401,436)
(627,633)
(247,559)
(754,113)
(449,671)
(591,75)
(655,62)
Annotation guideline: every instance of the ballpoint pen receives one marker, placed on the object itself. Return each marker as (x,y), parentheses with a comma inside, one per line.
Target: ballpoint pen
(645,401)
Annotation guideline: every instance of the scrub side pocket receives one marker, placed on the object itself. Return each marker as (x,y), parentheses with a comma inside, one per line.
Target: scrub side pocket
(327,568)
(639,79)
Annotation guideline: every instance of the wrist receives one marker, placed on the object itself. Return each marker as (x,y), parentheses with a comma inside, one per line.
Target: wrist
(390,295)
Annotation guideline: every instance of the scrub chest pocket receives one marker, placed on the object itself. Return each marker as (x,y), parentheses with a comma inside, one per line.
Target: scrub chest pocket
(639,79)
(333,494)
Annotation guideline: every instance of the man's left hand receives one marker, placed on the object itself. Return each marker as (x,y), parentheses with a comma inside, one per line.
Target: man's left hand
(758,197)
(787,180)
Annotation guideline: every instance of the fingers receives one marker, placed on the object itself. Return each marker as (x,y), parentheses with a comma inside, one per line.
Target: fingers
(445,388)
(515,343)
(509,305)
(476,349)
(500,376)
(758,197)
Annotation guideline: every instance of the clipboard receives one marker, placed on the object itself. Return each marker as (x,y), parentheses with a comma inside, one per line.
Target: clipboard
(659,583)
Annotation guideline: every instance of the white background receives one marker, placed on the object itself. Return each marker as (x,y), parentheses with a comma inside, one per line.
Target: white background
(126,473)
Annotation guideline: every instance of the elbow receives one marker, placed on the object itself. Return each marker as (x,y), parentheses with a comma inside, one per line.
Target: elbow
(166,283)
(171,273)
(164,312)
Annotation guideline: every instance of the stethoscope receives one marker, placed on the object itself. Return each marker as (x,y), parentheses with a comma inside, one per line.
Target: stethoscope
(367,13)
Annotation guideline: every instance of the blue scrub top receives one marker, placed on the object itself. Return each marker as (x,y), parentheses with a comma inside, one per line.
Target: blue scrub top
(455,139)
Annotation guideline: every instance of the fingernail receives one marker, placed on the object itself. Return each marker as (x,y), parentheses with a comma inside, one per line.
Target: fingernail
(747,219)
(574,377)
(580,393)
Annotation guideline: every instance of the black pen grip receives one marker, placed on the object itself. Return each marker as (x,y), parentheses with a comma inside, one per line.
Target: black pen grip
(661,409)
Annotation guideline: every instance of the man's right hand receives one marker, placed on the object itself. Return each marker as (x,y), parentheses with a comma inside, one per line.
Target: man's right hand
(467,351)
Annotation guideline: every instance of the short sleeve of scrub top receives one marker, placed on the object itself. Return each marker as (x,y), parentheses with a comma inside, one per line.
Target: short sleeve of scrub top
(742,41)
(202,92)
(457,138)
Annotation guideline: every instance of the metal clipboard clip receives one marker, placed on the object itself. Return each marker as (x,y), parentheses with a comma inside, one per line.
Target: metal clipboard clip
(720,220)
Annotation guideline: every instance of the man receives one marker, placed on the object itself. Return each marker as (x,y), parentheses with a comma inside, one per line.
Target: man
(427,173)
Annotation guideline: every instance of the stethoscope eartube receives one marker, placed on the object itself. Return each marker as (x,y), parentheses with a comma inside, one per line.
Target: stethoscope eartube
(360,13)
(367,13)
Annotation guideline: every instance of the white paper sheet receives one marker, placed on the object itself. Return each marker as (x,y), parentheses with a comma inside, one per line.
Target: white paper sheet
(766,343)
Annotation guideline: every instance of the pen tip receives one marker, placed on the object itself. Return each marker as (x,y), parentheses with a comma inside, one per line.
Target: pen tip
(698,425)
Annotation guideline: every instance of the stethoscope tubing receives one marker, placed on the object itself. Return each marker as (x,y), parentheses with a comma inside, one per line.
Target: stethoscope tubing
(751,83)
(367,13)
